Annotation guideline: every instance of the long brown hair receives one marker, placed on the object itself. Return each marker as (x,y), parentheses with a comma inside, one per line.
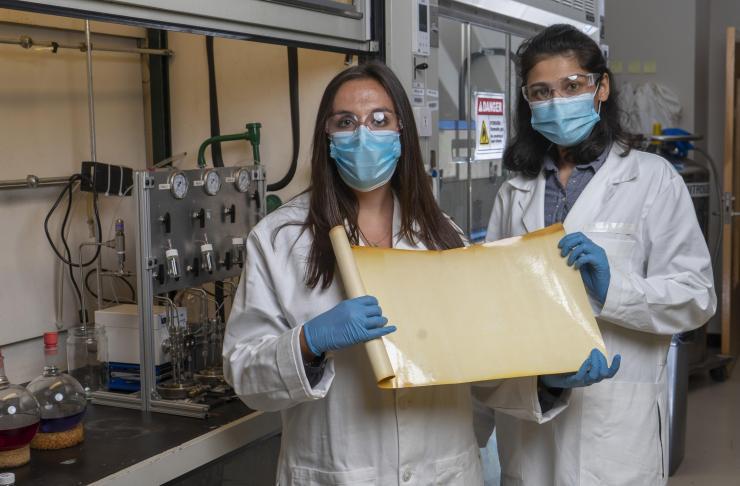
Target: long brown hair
(332,202)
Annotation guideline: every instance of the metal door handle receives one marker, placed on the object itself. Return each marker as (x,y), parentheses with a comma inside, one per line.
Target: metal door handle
(727,204)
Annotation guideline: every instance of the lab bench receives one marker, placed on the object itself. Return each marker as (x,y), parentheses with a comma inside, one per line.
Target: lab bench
(131,447)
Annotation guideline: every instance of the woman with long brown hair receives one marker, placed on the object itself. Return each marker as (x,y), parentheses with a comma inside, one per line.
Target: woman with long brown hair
(289,343)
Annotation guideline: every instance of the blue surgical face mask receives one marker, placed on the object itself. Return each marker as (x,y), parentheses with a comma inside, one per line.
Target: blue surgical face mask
(565,121)
(365,159)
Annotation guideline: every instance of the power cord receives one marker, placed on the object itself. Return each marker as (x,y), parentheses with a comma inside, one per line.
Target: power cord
(120,277)
(66,258)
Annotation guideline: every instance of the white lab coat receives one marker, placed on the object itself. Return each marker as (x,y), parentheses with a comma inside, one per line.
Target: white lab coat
(615,433)
(345,430)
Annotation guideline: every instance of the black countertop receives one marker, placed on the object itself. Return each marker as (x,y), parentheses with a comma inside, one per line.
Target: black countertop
(116,438)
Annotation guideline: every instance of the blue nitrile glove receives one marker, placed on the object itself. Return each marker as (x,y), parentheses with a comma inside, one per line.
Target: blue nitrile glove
(590,259)
(350,322)
(593,370)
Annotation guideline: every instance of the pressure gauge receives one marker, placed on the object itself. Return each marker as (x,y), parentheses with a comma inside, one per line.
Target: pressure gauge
(241,179)
(211,182)
(178,184)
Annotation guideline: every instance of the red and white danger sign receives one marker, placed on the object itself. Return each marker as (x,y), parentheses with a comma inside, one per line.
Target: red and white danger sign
(490,125)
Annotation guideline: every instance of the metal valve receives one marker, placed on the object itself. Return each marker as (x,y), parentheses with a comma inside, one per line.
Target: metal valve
(206,252)
(230,213)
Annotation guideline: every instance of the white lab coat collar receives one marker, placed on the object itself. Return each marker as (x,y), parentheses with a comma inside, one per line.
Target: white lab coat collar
(398,240)
(616,170)
(533,215)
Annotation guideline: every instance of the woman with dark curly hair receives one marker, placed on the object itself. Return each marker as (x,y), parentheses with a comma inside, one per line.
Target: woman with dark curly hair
(634,237)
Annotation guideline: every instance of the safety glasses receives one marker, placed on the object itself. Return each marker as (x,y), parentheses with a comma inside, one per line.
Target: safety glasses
(567,87)
(374,121)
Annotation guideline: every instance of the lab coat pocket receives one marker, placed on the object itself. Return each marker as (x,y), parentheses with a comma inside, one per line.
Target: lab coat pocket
(621,433)
(456,470)
(617,239)
(306,476)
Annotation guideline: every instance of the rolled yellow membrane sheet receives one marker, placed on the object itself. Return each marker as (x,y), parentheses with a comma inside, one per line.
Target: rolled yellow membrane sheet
(354,287)
(500,310)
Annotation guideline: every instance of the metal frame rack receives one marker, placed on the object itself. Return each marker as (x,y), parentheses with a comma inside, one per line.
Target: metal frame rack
(166,219)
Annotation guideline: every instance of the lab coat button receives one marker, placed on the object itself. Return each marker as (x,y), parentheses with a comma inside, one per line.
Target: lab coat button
(407,476)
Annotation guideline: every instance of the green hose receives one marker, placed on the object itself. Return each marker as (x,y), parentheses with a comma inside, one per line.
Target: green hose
(252,135)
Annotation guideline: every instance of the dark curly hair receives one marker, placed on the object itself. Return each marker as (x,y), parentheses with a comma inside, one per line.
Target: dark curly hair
(528,148)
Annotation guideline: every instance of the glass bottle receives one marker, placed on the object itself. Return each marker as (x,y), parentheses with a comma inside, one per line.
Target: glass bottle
(87,357)
(19,421)
(61,399)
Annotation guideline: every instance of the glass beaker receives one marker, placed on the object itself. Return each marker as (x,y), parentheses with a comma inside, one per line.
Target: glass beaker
(87,357)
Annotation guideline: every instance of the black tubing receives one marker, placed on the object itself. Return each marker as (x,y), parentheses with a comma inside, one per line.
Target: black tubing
(216,155)
(295,120)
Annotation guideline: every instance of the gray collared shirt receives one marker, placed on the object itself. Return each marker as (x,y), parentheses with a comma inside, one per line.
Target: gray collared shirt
(558,199)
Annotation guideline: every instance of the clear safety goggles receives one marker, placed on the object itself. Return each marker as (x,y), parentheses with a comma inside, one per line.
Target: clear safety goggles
(567,87)
(375,121)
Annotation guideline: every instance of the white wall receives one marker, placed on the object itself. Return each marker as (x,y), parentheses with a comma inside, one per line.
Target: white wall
(689,49)
(702,72)
(663,31)
(44,131)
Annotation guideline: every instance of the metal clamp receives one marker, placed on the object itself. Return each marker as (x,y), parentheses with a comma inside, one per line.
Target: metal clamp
(258,174)
(728,208)
(151,263)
